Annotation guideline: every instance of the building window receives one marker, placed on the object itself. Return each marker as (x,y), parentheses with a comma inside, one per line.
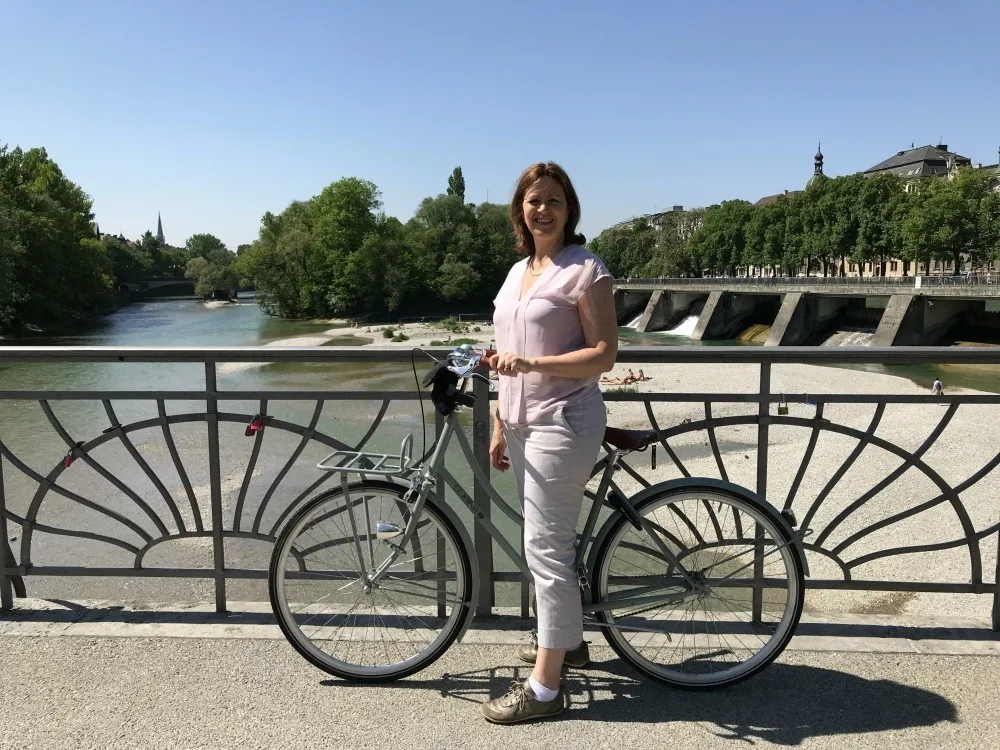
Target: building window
(894,265)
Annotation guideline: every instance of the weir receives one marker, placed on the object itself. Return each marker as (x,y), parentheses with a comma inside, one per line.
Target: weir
(811,314)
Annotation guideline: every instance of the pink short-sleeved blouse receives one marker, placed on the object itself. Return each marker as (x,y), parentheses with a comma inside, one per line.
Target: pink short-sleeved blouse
(544,323)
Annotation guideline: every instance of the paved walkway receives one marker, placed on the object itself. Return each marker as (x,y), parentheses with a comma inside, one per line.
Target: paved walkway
(113,678)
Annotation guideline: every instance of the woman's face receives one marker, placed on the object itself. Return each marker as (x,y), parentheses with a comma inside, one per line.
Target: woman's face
(545,211)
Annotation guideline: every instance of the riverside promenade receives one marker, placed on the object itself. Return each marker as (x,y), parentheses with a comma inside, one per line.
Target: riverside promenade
(95,675)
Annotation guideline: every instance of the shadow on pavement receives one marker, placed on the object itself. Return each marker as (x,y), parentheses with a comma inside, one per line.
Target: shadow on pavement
(785,704)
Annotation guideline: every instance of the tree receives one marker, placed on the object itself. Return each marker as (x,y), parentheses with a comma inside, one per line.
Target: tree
(719,243)
(129,263)
(456,184)
(52,268)
(839,216)
(211,266)
(881,206)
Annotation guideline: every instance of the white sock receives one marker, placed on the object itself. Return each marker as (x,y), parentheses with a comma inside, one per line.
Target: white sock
(542,693)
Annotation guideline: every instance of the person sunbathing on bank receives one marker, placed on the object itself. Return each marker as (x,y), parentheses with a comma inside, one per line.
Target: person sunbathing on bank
(627,379)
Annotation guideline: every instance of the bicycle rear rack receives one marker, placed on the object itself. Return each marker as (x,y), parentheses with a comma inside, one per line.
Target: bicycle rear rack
(371,464)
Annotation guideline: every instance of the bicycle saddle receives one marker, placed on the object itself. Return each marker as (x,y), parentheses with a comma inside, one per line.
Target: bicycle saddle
(629,440)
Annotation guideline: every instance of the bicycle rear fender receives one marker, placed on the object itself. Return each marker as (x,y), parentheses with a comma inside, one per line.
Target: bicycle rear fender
(463,533)
(735,489)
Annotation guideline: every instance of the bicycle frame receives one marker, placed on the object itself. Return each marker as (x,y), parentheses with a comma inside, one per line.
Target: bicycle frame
(424,482)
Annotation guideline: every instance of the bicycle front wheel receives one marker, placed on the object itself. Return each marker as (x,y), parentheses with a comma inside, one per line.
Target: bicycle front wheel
(331,612)
(733,614)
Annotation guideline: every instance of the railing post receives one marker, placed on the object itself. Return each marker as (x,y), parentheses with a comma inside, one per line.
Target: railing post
(481,451)
(215,470)
(996,591)
(6,556)
(763,425)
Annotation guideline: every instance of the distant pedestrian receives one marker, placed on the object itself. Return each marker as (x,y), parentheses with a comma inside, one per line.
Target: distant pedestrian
(937,389)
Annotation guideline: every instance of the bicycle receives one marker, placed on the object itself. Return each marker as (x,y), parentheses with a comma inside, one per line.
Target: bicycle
(698,583)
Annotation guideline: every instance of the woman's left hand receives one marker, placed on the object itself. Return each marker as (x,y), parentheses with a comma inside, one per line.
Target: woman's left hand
(508,363)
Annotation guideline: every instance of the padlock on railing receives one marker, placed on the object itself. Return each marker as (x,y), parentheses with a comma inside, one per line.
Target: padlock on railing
(70,456)
(782,407)
(255,426)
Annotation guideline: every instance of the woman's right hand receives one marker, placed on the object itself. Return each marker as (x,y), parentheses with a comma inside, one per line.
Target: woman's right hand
(498,450)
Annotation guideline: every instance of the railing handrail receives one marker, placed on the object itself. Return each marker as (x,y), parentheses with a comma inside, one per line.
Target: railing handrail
(626,354)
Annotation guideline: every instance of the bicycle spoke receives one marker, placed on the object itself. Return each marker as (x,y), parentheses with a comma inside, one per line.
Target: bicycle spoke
(708,635)
(349,625)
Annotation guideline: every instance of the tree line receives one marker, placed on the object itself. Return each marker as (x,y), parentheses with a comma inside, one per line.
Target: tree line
(824,230)
(339,254)
(55,269)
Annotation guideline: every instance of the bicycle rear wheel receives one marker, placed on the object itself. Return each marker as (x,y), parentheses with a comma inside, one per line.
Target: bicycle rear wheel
(331,613)
(707,635)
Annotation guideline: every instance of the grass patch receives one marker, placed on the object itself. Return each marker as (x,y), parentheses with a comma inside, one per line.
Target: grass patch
(453,325)
(622,389)
(388,332)
(452,342)
(400,337)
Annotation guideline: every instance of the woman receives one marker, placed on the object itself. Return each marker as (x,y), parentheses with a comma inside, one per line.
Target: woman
(556,333)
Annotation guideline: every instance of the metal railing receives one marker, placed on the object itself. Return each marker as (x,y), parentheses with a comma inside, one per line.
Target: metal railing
(858,506)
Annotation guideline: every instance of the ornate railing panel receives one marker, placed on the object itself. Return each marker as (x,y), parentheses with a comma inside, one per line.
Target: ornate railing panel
(897,489)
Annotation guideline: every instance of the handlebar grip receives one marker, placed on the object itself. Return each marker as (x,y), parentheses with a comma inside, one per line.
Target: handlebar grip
(484,361)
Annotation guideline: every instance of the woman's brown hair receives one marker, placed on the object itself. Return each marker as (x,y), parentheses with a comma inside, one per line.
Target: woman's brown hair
(525,242)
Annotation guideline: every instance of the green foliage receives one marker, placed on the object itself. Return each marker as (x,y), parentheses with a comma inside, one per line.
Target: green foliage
(456,184)
(52,266)
(453,342)
(820,230)
(453,324)
(388,333)
(212,267)
(337,254)
(399,337)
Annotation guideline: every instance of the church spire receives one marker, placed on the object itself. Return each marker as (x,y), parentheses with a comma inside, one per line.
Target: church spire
(818,161)
(159,230)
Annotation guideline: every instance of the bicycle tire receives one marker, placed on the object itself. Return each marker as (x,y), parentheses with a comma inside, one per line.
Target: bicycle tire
(401,618)
(726,616)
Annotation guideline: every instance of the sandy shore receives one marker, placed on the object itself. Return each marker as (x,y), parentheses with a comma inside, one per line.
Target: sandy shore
(968,441)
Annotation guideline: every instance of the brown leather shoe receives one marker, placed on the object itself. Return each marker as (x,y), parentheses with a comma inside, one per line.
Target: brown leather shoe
(520,704)
(578,657)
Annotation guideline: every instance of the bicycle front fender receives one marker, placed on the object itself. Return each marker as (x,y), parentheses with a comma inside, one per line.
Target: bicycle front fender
(735,489)
(463,534)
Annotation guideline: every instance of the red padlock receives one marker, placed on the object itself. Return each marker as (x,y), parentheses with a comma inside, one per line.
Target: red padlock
(255,426)
(69,457)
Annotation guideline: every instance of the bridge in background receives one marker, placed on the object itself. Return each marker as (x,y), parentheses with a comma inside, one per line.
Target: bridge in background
(915,311)
(162,287)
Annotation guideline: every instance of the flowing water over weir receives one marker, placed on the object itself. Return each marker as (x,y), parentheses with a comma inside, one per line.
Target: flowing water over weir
(847,337)
(685,327)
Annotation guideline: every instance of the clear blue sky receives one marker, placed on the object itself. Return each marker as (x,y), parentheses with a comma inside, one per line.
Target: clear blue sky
(214,112)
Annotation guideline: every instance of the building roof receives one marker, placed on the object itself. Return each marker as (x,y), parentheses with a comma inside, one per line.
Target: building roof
(926,161)
(769,199)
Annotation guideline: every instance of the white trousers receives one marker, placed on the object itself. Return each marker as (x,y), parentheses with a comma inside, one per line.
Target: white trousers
(552,459)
